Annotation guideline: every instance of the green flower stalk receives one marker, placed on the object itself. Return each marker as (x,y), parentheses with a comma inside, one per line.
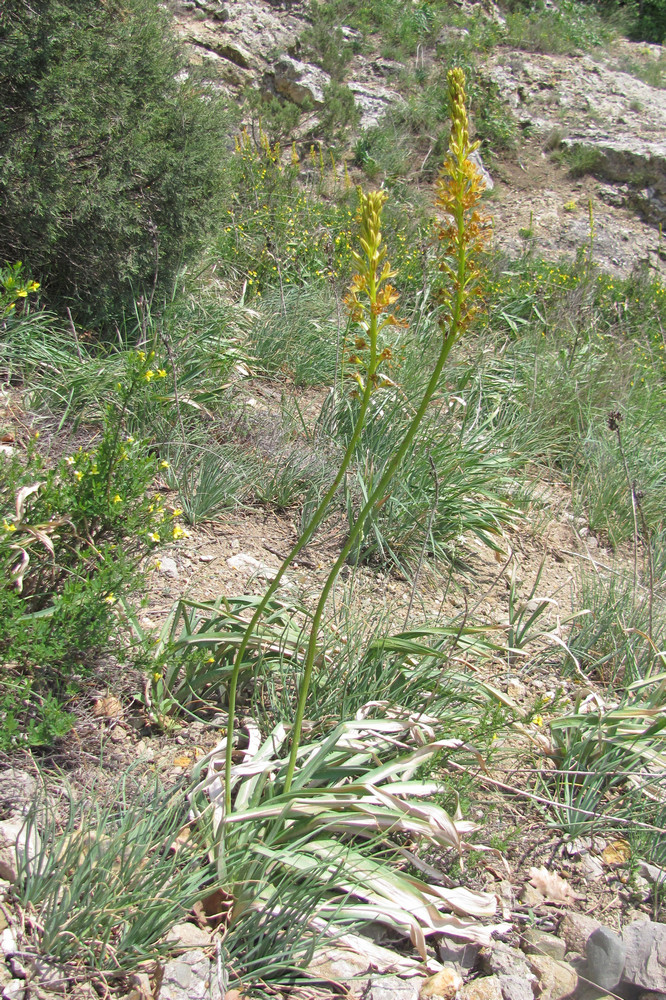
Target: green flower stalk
(459,189)
(371,284)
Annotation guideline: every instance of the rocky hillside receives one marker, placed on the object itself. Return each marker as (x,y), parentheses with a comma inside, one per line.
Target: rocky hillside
(590,130)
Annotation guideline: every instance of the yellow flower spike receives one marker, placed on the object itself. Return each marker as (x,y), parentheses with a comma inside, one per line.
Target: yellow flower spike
(370,295)
(459,188)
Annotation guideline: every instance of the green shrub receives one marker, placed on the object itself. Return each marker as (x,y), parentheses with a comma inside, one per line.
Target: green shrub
(71,540)
(110,161)
(340,114)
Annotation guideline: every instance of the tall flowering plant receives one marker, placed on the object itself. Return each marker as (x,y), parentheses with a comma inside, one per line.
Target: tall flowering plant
(371,303)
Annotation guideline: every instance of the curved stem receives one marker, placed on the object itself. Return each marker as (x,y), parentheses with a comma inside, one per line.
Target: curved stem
(390,470)
(298,547)
(376,495)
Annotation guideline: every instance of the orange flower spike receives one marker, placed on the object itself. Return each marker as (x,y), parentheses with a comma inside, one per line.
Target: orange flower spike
(370,295)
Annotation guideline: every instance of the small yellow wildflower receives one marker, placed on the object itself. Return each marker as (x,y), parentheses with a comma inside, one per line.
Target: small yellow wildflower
(210,659)
(177,512)
(164,465)
(158,563)
(179,532)
(161,373)
(154,537)
(22,293)
(538,720)
(117,499)
(33,286)
(129,440)
(69,460)
(8,526)
(110,599)
(141,355)
(79,475)
(149,374)
(157,676)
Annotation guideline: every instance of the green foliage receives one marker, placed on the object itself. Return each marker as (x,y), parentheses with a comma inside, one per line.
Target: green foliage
(413,136)
(14,290)
(340,114)
(402,27)
(468,491)
(324,43)
(110,161)
(582,160)
(273,115)
(565,28)
(279,234)
(71,540)
(107,883)
(581,344)
(641,20)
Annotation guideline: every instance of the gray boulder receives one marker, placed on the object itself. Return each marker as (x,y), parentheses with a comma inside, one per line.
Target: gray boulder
(645,965)
(605,953)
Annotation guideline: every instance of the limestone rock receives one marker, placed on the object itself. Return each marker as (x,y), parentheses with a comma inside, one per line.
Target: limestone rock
(373,101)
(442,986)
(514,987)
(576,94)
(17,791)
(392,988)
(338,964)
(190,977)
(15,842)
(576,929)
(246,563)
(169,567)
(556,979)
(301,83)
(463,955)
(187,935)
(487,988)
(502,960)
(645,965)
(244,36)
(15,989)
(515,977)
(536,942)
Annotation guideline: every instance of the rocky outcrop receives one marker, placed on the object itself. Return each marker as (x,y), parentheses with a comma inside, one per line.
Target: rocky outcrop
(254,43)
(613,124)
(236,41)
(301,83)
